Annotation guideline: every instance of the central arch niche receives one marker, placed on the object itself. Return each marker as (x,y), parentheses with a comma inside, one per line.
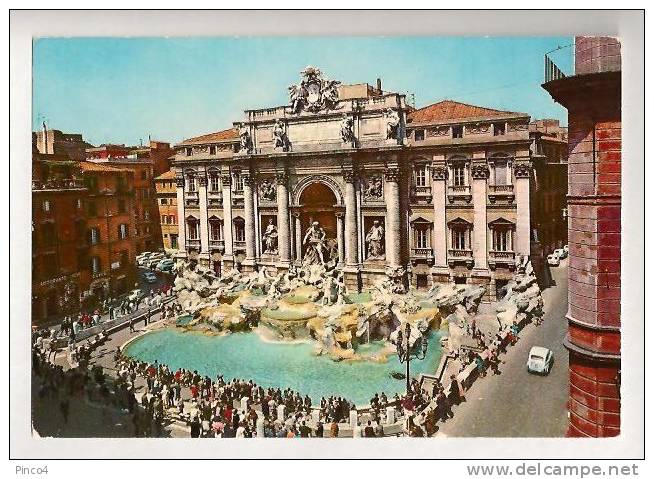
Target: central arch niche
(318,203)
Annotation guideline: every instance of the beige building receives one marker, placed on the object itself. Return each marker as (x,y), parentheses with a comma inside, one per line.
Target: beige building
(166,192)
(351,176)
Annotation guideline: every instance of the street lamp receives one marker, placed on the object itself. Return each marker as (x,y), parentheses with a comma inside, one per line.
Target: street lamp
(406,352)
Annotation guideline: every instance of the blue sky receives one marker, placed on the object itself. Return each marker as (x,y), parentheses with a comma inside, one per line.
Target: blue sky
(120,90)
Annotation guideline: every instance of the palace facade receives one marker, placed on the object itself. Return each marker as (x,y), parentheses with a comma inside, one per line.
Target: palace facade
(353,175)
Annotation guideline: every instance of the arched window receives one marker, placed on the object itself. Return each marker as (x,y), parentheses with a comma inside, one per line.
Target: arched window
(193,228)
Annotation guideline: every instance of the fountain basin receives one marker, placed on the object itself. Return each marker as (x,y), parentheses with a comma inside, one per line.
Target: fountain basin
(282,365)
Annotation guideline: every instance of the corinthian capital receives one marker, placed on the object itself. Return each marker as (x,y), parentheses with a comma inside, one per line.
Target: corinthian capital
(392,174)
(281,177)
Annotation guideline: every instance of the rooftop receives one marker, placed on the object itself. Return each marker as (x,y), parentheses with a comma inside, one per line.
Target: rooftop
(88,166)
(168,175)
(448,110)
(223,135)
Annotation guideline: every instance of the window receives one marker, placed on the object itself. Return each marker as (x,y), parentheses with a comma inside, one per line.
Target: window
(94,236)
(49,236)
(501,240)
(47,206)
(124,259)
(164,219)
(92,183)
(215,230)
(164,201)
(212,150)
(146,215)
(173,219)
(421,175)
(500,172)
(121,206)
(96,266)
(421,238)
(238,182)
(173,241)
(459,235)
(499,129)
(457,131)
(239,230)
(189,151)
(214,182)
(190,183)
(122,231)
(137,231)
(459,174)
(193,229)
(147,230)
(78,204)
(419,135)
(121,184)
(93,209)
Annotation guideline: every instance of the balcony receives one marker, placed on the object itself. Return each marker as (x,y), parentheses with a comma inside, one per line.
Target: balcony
(505,258)
(461,193)
(422,254)
(193,244)
(421,194)
(192,198)
(58,185)
(215,198)
(217,245)
(501,192)
(457,256)
(239,245)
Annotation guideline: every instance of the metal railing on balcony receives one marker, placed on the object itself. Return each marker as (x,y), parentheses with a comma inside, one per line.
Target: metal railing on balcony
(559,63)
(64,184)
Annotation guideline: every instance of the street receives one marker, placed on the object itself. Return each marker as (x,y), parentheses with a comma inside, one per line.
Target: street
(516,403)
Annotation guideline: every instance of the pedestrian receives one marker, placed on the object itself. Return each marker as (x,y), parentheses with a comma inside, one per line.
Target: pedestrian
(131,325)
(64,407)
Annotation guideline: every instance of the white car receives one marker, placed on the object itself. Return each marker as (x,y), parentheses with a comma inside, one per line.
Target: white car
(565,248)
(540,360)
(553,259)
(561,253)
(134,295)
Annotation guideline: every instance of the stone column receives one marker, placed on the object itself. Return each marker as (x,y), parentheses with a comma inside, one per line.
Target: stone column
(479,242)
(439,233)
(283,225)
(298,236)
(393,224)
(181,217)
(250,230)
(340,235)
(350,229)
(228,255)
(521,242)
(204,216)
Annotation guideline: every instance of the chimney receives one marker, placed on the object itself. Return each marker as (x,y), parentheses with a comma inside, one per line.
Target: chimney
(45,139)
(379,85)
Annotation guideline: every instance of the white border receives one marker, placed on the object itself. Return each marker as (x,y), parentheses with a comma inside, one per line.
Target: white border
(627,25)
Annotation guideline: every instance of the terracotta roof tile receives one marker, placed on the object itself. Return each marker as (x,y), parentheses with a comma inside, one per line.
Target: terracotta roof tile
(168,175)
(453,110)
(230,134)
(88,166)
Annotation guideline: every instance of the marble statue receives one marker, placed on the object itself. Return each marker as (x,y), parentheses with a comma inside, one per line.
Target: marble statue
(347,132)
(392,124)
(315,238)
(375,241)
(313,93)
(244,136)
(280,140)
(270,238)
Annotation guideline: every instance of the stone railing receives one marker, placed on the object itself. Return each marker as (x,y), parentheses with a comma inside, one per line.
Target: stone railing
(459,192)
(501,257)
(217,244)
(193,243)
(496,192)
(460,256)
(65,184)
(421,192)
(421,253)
(239,245)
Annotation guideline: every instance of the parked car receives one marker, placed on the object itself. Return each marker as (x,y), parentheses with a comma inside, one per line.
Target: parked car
(565,248)
(553,259)
(562,254)
(540,360)
(166,265)
(142,258)
(134,295)
(153,261)
(150,277)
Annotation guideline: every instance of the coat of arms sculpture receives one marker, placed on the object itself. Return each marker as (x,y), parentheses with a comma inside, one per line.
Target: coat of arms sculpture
(313,93)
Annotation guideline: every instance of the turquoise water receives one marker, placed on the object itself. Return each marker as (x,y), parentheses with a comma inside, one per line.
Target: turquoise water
(294,365)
